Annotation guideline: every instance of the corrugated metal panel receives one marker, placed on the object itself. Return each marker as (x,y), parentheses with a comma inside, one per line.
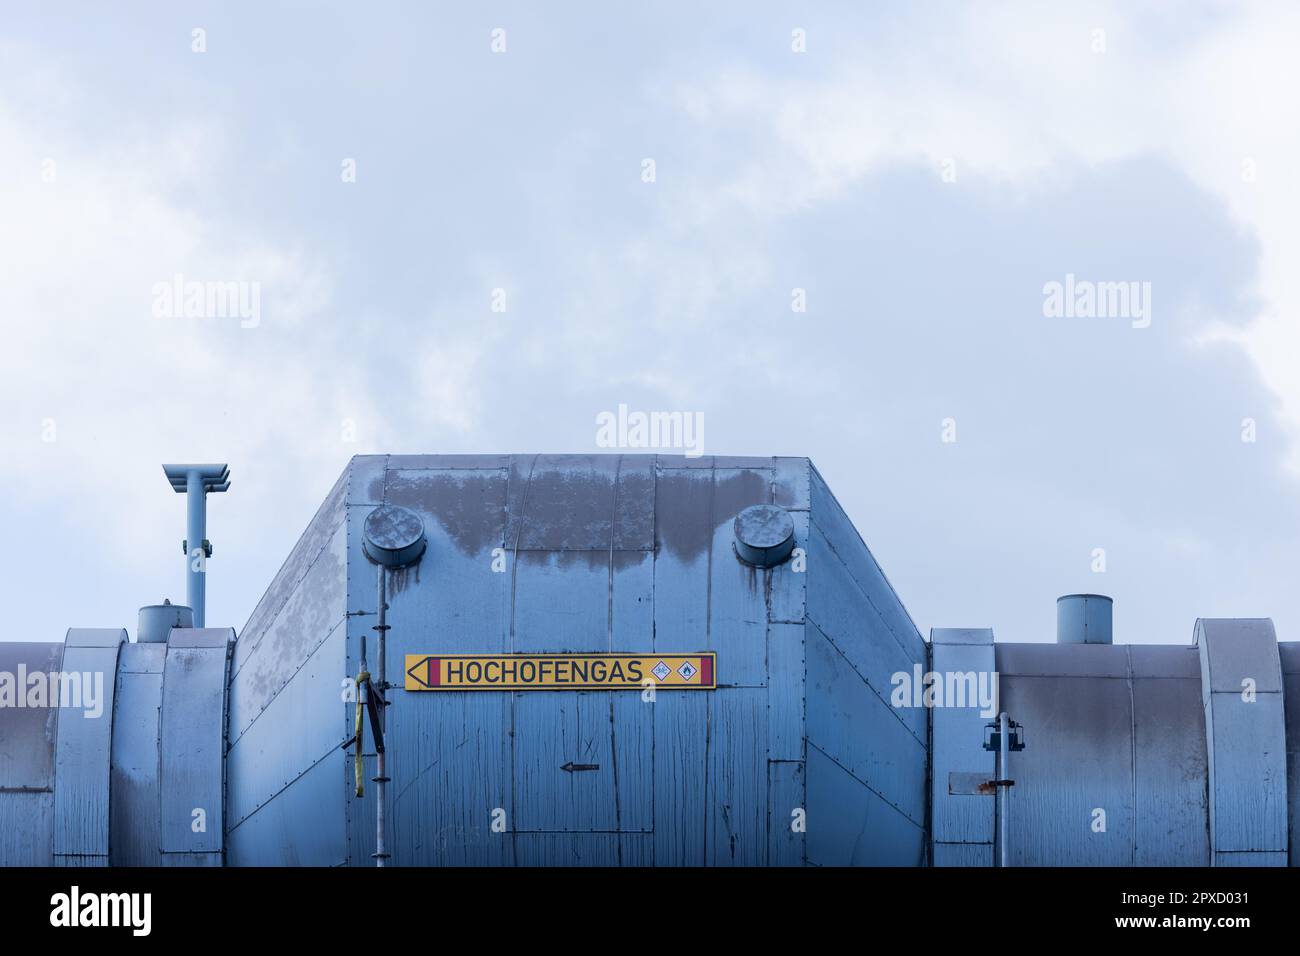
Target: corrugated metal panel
(1289,654)
(1261,858)
(681,745)
(27,734)
(844,537)
(287,712)
(1236,650)
(850,723)
(611,732)
(26,828)
(1103,735)
(867,761)
(1078,761)
(1063,660)
(310,613)
(786,796)
(133,798)
(1170,769)
(193,742)
(785,691)
(603,553)
(583,849)
(963,854)
(867,766)
(285,831)
(957,746)
(850,825)
(737,777)
(83,755)
(1166,660)
(840,608)
(561,601)
(449,754)
(298,729)
(737,592)
(27,767)
(1246,738)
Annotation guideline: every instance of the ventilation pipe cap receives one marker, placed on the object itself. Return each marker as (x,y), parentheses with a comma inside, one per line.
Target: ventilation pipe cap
(764,535)
(393,537)
(1084,619)
(157,621)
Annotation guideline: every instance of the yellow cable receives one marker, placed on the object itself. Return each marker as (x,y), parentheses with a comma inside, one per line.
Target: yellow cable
(361,711)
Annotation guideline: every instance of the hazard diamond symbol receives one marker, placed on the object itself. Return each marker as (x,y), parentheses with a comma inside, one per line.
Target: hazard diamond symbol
(687,670)
(661,670)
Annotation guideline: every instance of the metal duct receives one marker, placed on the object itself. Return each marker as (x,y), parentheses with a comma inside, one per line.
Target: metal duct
(157,620)
(1084,619)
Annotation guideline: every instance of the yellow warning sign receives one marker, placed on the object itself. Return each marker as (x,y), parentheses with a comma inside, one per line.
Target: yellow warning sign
(560,671)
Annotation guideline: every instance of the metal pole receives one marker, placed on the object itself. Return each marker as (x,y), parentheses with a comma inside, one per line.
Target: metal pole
(196,530)
(381,759)
(1004,735)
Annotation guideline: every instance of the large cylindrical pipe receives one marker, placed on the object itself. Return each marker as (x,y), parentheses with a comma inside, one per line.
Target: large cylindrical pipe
(1084,619)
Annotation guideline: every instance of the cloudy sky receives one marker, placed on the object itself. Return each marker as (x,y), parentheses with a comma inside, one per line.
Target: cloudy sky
(920,170)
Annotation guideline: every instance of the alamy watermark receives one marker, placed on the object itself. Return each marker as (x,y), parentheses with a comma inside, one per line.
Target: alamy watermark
(191,299)
(83,690)
(1085,299)
(133,911)
(946,689)
(628,429)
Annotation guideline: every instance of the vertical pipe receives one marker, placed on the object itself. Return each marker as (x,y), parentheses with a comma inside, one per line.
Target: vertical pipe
(195,532)
(381,759)
(1004,735)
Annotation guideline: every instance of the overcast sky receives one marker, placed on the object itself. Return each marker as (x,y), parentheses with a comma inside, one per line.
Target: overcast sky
(922,171)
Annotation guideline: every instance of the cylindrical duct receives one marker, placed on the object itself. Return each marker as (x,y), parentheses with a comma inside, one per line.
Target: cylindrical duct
(157,621)
(764,535)
(1084,619)
(393,537)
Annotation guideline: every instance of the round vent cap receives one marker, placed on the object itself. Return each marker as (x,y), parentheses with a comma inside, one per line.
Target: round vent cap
(764,535)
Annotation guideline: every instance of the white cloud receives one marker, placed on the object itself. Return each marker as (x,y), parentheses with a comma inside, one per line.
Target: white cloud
(1012,93)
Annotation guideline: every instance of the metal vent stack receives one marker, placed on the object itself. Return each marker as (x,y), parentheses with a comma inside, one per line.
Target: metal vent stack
(195,481)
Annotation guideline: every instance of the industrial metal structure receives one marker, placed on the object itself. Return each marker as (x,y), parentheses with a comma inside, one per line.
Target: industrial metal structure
(503,616)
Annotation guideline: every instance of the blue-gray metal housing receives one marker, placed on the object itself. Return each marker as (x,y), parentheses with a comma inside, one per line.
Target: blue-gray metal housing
(110,768)
(836,735)
(585,553)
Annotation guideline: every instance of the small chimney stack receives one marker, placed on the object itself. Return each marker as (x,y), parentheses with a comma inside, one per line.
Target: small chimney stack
(195,481)
(1084,619)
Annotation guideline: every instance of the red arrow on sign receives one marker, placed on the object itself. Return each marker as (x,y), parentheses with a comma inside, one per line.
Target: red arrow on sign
(426,672)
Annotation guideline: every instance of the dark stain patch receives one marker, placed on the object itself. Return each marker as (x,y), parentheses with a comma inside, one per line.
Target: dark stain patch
(622,560)
(734,491)
(692,504)
(570,507)
(402,579)
(684,498)
(634,505)
(468,506)
(27,734)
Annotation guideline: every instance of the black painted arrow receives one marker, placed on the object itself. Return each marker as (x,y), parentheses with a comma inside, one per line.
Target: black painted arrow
(571,766)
